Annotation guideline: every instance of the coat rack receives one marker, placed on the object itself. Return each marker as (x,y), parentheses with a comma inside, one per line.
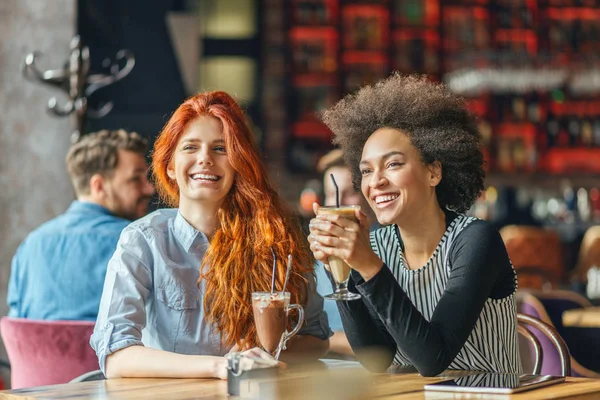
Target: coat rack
(77,82)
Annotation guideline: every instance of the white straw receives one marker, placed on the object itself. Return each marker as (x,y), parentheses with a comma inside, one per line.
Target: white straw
(287,273)
(274,270)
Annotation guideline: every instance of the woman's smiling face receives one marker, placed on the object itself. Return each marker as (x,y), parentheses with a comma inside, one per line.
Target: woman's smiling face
(394,179)
(200,164)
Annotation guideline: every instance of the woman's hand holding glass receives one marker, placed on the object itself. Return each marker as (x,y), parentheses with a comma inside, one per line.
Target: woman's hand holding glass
(333,235)
(252,359)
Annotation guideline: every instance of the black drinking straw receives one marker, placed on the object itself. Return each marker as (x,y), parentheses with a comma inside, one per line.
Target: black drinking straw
(274,270)
(337,191)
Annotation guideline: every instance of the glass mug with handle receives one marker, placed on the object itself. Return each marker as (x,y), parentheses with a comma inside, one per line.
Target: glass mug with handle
(271,319)
(339,269)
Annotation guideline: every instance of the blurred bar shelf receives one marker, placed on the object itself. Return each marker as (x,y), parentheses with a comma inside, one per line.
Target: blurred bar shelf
(540,180)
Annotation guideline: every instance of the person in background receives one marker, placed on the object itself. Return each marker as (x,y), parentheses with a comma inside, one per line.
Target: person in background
(177,295)
(437,287)
(333,163)
(58,271)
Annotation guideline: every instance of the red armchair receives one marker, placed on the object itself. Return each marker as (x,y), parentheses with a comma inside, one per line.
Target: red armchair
(47,352)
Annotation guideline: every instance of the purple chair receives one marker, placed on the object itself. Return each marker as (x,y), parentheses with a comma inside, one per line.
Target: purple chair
(542,334)
(47,352)
(584,343)
(531,304)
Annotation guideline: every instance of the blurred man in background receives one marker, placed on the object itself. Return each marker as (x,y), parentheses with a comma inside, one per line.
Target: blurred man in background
(58,271)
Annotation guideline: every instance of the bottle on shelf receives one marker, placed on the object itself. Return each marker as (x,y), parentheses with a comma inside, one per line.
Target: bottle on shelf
(573,121)
(583,205)
(595,204)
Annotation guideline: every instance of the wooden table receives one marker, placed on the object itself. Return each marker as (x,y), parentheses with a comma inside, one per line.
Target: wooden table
(588,317)
(402,385)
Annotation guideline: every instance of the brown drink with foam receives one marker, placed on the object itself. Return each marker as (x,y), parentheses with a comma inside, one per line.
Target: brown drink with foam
(271,319)
(338,267)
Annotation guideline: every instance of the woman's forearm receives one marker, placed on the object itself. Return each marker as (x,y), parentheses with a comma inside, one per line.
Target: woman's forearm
(338,343)
(140,361)
(304,348)
(370,341)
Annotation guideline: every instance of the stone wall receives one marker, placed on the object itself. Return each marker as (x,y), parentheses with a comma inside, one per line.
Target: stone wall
(34,186)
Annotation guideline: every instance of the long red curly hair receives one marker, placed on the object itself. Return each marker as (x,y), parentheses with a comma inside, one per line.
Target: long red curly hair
(252,220)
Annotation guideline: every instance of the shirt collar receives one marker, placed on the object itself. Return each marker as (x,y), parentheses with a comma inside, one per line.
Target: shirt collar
(88,207)
(186,234)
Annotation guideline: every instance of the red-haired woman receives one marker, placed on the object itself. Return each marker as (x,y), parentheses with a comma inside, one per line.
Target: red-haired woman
(177,295)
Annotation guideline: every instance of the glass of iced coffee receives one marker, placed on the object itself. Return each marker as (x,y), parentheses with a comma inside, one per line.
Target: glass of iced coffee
(271,319)
(339,269)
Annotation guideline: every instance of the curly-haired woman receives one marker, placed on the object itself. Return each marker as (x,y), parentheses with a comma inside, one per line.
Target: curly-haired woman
(177,295)
(437,287)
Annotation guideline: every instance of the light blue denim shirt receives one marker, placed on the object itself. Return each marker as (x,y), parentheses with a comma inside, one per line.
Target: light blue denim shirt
(59,269)
(325,287)
(150,295)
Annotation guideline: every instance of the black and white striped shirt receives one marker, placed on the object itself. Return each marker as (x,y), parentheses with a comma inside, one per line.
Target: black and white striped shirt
(456,312)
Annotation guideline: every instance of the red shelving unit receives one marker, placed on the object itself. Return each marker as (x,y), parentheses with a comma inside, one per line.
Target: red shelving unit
(336,46)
